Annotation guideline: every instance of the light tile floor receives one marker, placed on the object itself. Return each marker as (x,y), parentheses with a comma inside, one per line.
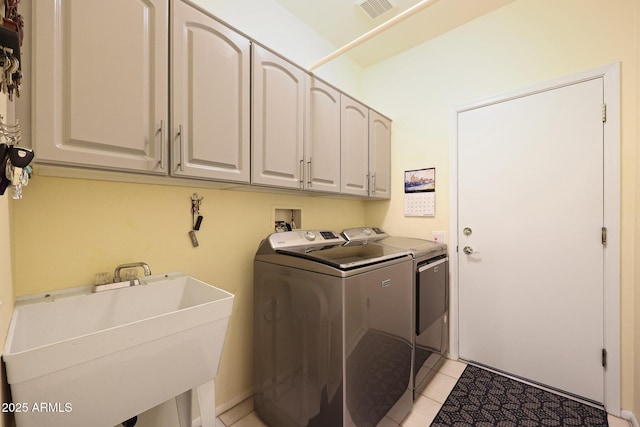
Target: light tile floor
(425,408)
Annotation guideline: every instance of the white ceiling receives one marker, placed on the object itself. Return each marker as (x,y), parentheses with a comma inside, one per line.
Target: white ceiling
(341,21)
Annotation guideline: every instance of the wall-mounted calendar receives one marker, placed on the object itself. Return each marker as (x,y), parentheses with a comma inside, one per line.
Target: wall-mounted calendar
(420,192)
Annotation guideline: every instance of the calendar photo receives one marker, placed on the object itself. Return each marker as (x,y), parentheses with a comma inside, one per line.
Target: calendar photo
(420,180)
(420,192)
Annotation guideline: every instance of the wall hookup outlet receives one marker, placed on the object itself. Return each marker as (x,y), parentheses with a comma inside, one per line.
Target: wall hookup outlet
(287,219)
(438,236)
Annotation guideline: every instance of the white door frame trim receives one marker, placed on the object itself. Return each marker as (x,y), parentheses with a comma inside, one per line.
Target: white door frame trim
(611,76)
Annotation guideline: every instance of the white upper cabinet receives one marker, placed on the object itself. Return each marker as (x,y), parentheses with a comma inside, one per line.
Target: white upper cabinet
(355,147)
(322,137)
(379,156)
(128,86)
(100,83)
(210,98)
(278,120)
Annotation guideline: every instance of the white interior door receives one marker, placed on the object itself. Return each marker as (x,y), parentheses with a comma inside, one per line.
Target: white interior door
(530,194)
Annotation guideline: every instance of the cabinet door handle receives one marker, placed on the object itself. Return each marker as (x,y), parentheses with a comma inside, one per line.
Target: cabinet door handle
(309,172)
(302,173)
(373,187)
(161,144)
(181,148)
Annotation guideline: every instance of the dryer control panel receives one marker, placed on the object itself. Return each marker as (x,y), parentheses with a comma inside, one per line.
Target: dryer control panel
(364,234)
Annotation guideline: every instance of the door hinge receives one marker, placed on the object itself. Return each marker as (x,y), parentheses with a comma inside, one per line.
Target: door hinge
(604,357)
(604,113)
(604,236)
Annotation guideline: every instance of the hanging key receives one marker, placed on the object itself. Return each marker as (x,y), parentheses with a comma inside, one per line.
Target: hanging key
(7,79)
(15,64)
(23,181)
(17,80)
(20,158)
(6,66)
(17,190)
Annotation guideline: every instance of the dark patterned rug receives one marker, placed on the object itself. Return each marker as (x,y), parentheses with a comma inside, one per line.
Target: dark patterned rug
(483,399)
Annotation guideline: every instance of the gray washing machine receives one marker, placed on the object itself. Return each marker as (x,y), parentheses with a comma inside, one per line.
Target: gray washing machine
(431,285)
(333,331)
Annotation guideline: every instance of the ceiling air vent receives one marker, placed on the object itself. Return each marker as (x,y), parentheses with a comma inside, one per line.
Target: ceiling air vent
(375,8)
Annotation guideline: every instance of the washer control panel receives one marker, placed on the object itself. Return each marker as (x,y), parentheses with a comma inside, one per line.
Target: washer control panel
(295,238)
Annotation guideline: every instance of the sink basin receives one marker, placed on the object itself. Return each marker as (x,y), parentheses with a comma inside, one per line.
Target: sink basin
(77,358)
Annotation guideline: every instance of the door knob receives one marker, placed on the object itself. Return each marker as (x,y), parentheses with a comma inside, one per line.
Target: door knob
(468,250)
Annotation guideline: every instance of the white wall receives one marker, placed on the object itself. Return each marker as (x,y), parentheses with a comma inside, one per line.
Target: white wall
(524,43)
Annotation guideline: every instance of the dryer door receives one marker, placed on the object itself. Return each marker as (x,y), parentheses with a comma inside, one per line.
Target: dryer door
(431,293)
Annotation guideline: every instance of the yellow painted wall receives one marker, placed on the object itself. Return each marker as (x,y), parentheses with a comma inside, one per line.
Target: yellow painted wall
(67,230)
(6,287)
(6,276)
(524,43)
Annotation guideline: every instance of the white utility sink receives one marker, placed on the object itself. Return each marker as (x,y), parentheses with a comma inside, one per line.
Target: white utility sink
(77,358)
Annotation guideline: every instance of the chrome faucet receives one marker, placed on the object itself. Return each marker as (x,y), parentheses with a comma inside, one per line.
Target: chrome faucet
(144,265)
(117,281)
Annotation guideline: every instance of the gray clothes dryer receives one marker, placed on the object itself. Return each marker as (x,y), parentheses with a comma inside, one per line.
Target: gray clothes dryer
(431,295)
(333,330)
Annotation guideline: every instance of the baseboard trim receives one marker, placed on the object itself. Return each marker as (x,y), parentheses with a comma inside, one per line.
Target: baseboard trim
(198,423)
(630,416)
(221,409)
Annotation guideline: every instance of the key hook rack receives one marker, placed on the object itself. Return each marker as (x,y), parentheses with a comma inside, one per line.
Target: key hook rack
(12,19)
(11,34)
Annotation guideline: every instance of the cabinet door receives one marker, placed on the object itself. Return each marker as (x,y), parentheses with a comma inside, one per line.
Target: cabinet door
(355,147)
(379,156)
(322,137)
(101,85)
(210,124)
(278,116)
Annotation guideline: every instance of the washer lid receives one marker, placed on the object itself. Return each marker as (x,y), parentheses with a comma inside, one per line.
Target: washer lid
(418,247)
(346,257)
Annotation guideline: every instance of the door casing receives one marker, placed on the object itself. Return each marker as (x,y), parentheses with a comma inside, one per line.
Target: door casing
(611,77)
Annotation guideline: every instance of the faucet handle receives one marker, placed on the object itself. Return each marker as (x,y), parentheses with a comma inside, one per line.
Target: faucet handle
(102,278)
